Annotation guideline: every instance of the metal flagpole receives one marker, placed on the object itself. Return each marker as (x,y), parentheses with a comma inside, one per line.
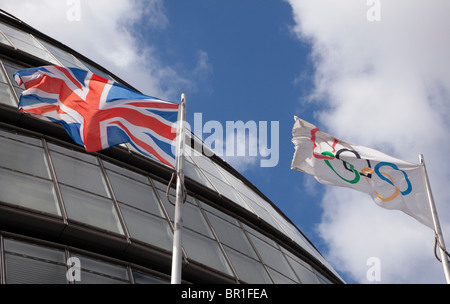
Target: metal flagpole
(178,219)
(437,226)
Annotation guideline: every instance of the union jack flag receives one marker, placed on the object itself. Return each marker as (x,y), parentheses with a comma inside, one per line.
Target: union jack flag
(99,113)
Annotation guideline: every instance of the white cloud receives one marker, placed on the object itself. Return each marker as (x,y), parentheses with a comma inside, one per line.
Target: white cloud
(241,150)
(102,30)
(202,72)
(385,85)
(355,230)
(204,67)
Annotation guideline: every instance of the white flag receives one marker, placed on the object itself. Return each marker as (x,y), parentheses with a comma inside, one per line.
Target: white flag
(391,182)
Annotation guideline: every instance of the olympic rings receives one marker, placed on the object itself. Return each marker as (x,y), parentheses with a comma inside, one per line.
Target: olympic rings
(377,171)
(352,168)
(387,199)
(382,175)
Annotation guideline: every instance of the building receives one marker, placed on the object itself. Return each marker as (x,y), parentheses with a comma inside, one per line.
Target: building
(67,216)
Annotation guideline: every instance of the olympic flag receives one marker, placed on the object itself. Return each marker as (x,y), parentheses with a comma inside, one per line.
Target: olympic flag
(391,182)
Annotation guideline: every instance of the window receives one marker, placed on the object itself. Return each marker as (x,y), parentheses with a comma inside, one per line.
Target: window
(219,213)
(193,172)
(204,162)
(26,263)
(192,216)
(247,269)
(261,212)
(65,58)
(205,251)
(3,40)
(25,42)
(91,209)
(27,191)
(23,157)
(217,179)
(198,240)
(6,94)
(79,174)
(147,228)
(278,278)
(94,271)
(140,207)
(95,70)
(303,271)
(144,278)
(227,191)
(273,257)
(125,172)
(135,193)
(24,175)
(194,219)
(232,236)
(11,68)
(84,190)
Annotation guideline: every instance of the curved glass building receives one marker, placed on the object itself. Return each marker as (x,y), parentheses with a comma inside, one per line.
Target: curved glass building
(71,217)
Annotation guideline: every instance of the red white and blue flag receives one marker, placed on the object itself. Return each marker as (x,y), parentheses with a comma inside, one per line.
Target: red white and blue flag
(99,113)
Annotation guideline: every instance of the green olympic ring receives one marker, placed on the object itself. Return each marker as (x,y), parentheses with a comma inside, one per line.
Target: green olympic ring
(353,181)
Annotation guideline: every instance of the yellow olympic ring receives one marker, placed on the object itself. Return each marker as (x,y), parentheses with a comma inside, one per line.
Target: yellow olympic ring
(387,199)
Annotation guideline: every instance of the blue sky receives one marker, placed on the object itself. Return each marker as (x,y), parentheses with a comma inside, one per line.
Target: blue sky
(382,84)
(253,64)
(251,70)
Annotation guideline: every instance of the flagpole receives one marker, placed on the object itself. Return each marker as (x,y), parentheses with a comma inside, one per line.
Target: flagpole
(178,218)
(437,226)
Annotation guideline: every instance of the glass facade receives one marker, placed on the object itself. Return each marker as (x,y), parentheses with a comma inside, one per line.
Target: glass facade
(30,263)
(111,209)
